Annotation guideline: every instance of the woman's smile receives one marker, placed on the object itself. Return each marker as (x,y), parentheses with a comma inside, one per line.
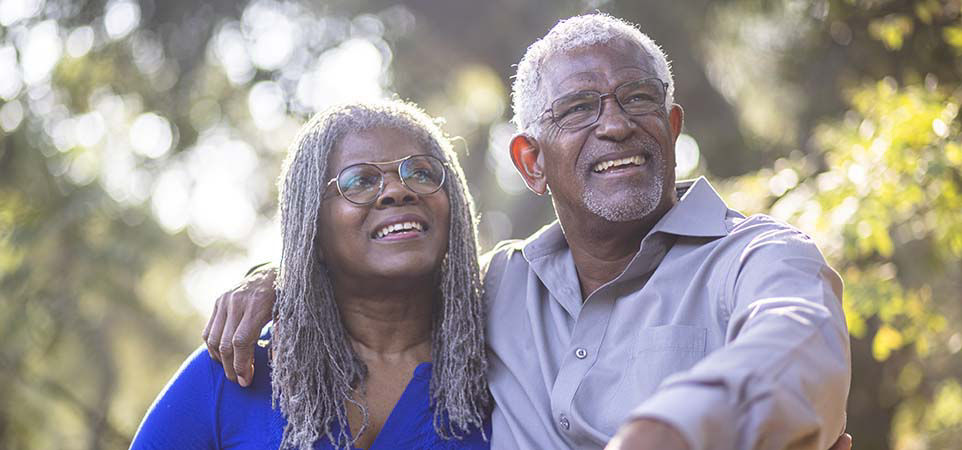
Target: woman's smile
(398,228)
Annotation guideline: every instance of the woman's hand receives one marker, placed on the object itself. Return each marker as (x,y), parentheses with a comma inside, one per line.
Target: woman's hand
(239,315)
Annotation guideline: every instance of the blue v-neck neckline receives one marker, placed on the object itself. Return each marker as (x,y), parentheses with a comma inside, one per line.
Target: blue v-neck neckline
(397,418)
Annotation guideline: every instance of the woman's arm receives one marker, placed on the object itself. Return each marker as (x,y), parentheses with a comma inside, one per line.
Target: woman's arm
(182,417)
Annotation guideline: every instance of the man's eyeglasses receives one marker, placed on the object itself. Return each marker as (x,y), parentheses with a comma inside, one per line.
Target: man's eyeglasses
(582,109)
(363,183)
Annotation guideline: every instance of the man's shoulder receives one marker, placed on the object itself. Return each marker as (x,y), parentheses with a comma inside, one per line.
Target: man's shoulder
(759,226)
(497,257)
(504,249)
(764,234)
(507,247)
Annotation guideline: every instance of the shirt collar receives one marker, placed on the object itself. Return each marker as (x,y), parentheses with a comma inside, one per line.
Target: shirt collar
(549,239)
(700,212)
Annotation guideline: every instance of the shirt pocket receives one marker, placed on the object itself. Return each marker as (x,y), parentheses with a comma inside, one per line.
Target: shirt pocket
(662,351)
(671,339)
(656,353)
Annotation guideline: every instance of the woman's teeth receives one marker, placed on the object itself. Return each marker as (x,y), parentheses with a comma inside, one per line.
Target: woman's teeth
(397,228)
(632,160)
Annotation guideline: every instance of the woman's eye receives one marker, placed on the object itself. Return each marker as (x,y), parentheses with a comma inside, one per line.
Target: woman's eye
(359,182)
(422,174)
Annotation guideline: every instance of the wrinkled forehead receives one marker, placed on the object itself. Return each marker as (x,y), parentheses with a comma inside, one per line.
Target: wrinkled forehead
(596,66)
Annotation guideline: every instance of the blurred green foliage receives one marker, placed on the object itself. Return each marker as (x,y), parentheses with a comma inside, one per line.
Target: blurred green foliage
(140,140)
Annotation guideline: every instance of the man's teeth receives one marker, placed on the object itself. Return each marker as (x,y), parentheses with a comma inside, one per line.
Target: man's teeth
(633,160)
(398,227)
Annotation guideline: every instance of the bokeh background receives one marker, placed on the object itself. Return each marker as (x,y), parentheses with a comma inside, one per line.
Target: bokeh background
(141,140)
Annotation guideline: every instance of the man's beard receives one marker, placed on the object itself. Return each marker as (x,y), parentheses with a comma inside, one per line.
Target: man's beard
(644,200)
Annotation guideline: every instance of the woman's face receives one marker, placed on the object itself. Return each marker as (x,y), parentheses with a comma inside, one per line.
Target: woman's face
(351,237)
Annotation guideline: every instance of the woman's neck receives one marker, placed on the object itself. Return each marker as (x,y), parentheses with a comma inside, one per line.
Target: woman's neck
(390,327)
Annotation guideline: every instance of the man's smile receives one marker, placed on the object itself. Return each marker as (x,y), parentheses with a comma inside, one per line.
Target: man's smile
(614,165)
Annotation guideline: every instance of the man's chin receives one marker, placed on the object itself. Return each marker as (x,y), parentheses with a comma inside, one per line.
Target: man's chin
(625,204)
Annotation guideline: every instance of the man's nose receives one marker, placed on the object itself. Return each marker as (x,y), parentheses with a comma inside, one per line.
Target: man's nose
(395,193)
(614,123)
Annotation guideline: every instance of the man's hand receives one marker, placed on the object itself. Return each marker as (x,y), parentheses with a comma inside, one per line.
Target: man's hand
(652,434)
(647,434)
(844,442)
(239,315)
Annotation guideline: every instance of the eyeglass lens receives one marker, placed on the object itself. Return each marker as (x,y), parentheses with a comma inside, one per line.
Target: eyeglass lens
(361,183)
(583,108)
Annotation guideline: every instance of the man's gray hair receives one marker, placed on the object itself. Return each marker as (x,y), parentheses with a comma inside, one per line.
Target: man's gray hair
(316,372)
(529,96)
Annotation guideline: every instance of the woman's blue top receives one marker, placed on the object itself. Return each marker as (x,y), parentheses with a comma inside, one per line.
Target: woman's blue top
(201,409)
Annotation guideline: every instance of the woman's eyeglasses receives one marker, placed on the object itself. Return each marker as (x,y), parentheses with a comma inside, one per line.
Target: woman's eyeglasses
(363,183)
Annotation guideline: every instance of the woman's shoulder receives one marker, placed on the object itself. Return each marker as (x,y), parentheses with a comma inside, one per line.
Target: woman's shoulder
(199,368)
(206,409)
(185,404)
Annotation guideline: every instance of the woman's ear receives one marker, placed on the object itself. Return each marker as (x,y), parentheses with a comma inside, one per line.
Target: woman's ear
(529,161)
(318,251)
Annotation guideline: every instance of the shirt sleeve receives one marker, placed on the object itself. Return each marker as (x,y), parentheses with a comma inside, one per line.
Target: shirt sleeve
(183,415)
(782,378)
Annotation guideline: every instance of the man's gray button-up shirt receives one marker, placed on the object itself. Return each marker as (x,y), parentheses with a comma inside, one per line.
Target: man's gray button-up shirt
(729,328)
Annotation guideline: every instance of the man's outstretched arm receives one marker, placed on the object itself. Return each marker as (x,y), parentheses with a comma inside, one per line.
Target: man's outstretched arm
(238,317)
(652,434)
(781,380)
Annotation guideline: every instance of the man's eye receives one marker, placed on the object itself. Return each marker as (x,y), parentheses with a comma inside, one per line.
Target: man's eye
(577,108)
(637,98)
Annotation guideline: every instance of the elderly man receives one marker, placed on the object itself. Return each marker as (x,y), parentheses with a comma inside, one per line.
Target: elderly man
(650,315)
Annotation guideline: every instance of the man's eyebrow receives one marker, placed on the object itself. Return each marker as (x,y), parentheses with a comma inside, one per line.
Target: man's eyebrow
(587,76)
(644,70)
(594,76)
(563,87)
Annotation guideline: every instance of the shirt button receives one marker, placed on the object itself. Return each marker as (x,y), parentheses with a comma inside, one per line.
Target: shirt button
(581,353)
(564,422)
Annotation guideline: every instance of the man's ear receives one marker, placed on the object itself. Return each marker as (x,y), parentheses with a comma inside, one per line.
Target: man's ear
(529,161)
(676,118)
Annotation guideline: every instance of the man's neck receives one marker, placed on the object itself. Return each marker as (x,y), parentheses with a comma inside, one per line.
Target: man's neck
(602,249)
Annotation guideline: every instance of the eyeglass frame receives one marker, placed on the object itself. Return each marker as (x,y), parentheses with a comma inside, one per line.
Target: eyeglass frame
(380,189)
(601,101)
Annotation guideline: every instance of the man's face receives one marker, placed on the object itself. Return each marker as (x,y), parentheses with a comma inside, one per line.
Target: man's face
(577,163)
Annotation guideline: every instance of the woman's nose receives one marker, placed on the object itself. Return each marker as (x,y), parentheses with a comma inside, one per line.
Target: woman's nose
(395,193)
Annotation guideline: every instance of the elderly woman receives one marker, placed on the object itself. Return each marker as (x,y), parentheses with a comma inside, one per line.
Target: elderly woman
(377,340)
